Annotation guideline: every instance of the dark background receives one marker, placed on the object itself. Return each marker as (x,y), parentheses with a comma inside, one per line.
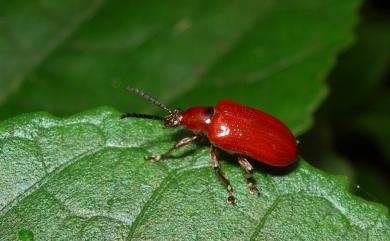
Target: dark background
(352,126)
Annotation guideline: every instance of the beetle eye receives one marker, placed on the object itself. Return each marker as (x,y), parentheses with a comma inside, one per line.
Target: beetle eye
(209,111)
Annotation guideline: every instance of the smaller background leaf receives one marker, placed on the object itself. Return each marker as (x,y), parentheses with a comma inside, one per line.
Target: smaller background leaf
(267,54)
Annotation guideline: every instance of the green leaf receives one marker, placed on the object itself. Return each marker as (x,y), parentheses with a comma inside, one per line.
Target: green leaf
(31,32)
(270,54)
(85,178)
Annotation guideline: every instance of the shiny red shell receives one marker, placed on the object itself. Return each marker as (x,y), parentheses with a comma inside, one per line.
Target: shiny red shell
(240,129)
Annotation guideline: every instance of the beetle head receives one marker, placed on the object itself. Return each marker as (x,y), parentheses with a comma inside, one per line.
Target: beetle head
(174,118)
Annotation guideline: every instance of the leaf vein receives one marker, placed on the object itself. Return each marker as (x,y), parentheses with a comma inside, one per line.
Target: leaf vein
(262,221)
(156,195)
(45,179)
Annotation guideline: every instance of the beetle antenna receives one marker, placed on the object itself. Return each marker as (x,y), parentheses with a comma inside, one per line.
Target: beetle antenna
(148,98)
(144,116)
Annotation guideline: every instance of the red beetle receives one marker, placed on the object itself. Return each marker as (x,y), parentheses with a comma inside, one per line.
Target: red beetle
(234,128)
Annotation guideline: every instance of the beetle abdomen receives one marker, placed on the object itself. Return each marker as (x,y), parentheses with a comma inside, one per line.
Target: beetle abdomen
(248,131)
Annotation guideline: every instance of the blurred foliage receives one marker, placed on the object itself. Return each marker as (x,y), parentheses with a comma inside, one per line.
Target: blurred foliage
(269,54)
(353,123)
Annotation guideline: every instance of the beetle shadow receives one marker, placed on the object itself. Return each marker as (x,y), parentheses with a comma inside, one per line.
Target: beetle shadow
(274,171)
(231,158)
(259,166)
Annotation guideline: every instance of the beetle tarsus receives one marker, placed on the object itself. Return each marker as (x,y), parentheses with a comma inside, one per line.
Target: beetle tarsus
(252,189)
(153,158)
(230,200)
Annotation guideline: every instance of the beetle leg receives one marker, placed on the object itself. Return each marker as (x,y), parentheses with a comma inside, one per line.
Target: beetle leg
(179,144)
(225,181)
(248,169)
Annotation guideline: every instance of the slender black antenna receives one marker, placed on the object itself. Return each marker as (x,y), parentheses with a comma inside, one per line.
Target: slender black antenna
(148,98)
(144,116)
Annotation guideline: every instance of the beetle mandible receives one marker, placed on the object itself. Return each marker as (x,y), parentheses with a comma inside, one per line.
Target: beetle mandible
(233,128)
